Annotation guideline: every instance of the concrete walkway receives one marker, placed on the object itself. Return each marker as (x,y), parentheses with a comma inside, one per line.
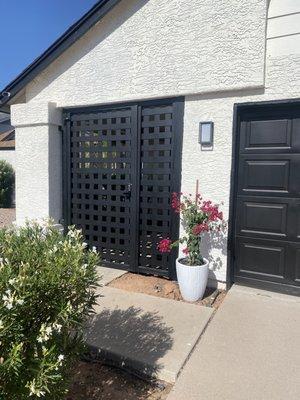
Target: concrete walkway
(250,351)
(147,334)
(107,275)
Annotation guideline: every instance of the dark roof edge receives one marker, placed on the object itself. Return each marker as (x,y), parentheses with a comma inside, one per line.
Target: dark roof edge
(76,31)
(4,108)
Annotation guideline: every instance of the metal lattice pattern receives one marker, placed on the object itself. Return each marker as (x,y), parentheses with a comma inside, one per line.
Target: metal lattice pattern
(121,166)
(155,186)
(100,174)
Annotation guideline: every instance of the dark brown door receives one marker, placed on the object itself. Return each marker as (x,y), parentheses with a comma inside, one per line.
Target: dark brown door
(267,215)
(121,165)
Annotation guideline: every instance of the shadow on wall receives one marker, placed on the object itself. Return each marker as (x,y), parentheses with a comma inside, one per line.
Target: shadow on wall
(214,249)
(131,338)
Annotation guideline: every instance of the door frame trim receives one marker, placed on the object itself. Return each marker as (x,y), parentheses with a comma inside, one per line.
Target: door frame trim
(238,108)
(128,103)
(178,104)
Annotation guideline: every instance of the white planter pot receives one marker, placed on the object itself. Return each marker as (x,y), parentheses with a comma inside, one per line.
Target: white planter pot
(192,280)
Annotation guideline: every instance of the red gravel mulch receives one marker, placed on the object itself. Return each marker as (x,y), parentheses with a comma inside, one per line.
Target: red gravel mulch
(161,287)
(95,381)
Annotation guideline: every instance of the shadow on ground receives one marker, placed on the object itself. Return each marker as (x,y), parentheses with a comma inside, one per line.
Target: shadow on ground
(130,338)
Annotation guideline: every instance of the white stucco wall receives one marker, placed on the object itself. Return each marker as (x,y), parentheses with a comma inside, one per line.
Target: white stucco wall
(282,81)
(154,48)
(38,161)
(212,51)
(9,156)
(213,168)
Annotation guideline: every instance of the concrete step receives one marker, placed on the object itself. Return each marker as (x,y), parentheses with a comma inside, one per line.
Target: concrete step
(150,335)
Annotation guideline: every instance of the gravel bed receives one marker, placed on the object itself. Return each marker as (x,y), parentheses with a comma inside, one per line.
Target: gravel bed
(7,216)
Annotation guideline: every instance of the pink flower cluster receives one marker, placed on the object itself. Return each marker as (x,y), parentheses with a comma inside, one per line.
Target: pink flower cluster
(212,210)
(200,228)
(164,246)
(191,210)
(176,203)
(185,251)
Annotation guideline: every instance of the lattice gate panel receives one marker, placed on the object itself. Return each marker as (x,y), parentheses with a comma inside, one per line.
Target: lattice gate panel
(155,187)
(101,174)
(121,165)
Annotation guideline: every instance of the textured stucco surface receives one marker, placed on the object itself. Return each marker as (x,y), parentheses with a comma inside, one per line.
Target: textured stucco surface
(39,113)
(38,161)
(108,65)
(213,168)
(151,48)
(32,190)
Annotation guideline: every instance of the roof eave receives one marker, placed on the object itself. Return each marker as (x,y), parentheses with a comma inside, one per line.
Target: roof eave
(76,31)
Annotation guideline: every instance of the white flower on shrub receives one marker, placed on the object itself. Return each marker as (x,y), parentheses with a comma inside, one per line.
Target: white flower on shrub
(34,391)
(12,281)
(45,333)
(61,357)
(29,280)
(54,250)
(57,327)
(94,249)
(84,267)
(74,233)
(84,245)
(69,307)
(8,299)
(3,261)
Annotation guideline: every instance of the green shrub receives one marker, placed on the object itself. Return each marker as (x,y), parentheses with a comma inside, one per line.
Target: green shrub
(46,293)
(7,179)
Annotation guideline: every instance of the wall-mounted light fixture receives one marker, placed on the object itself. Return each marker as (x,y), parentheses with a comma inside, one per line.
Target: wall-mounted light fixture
(206,133)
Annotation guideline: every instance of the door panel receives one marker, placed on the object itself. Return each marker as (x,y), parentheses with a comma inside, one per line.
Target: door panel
(272,135)
(263,218)
(267,175)
(157,150)
(121,165)
(102,167)
(267,217)
(261,259)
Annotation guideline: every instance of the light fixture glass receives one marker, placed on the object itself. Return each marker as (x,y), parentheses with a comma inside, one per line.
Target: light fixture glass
(206,133)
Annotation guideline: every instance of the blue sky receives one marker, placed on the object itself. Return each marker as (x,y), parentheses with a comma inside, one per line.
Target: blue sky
(28,27)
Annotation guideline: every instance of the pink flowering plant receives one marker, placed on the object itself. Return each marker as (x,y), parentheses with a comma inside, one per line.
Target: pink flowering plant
(197,216)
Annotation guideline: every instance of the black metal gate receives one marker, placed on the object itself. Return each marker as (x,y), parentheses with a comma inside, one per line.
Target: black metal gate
(121,165)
